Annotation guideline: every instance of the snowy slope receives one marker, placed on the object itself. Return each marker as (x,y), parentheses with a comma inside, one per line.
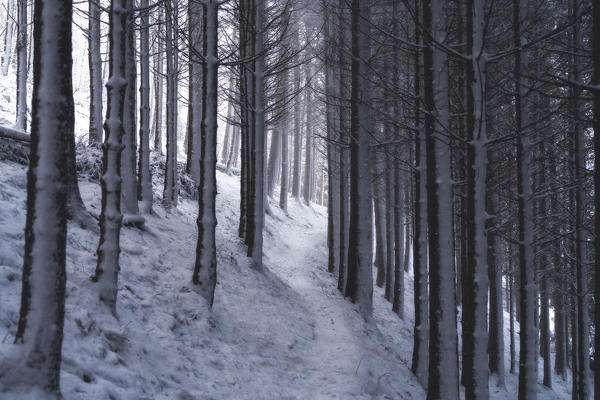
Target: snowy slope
(283,334)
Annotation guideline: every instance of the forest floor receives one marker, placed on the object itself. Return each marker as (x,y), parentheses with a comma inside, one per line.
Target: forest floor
(284,333)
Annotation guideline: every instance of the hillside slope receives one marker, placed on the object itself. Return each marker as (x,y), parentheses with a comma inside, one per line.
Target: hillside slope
(286,333)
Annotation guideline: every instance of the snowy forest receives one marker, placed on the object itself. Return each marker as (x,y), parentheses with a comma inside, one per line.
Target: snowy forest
(299,199)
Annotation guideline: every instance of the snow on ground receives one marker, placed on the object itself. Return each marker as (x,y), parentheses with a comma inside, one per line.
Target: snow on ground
(285,333)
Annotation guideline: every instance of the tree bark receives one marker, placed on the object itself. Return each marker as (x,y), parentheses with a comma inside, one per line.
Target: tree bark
(443,358)
(360,252)
(41,319)
(205,270)
(22,67)
(144,176)
(107,268)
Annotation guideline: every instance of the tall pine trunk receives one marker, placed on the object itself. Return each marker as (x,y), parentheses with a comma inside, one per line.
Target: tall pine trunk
(205,270)
(443,357)
(95,64)
(41,319)
(144,177)
(22,66)
(360,252)
(107,268)
(528,324)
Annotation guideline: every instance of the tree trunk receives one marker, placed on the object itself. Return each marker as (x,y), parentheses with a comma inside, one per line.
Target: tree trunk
(399,232)
(170,186)
(40,328)
(205,270)
(297,131)
(158,85)
(420,356)
(228,133)
(308,149)
(360,252)
(528,324)
(596,127)
(274,161)
(95,63)
(22,67)
(258,148)
(144,176)
(107,268)
(380,223)
(285,148)
(129,197)
(496,331)
(8,40)
(443,357)
(475,332)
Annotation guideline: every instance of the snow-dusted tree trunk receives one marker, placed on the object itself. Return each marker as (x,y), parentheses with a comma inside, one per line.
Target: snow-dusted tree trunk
(235,149)
(158,84)
(129,197)
(581,370)
(331,92)
(107,268)
(8,39)
(297,170)
(475,311)
(528,321)
(228,132)
(170,186)
(144,177)
(196,18)
(95,67)
(308,149)
(258,148)
(596,127)
(420,357)
(22,67)
(205,270)
(360,251)
(274,161)
(443,357)
(399,248)
(496,319)
(285,148)
(379,211)
(40,328)
(390,208)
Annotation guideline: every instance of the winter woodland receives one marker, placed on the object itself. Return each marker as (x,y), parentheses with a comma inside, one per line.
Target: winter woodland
(299,199)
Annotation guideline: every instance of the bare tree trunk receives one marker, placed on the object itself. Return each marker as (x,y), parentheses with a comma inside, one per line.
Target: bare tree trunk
(205,270)
(170,186)
(8,39)
(420,356)
(274,161)
(107,268)
(258,148)
(308,149)
(22,67)
(297,132)
(360,252)
(285,148)
(196,16)
(596,126)
(95,63)
(443,358)
(129,196)
(41,319)
(228,133)
(158,85)
(144,176)
(528,323)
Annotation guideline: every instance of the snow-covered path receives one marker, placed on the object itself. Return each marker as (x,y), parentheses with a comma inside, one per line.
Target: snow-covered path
(334,356)
(346,359)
